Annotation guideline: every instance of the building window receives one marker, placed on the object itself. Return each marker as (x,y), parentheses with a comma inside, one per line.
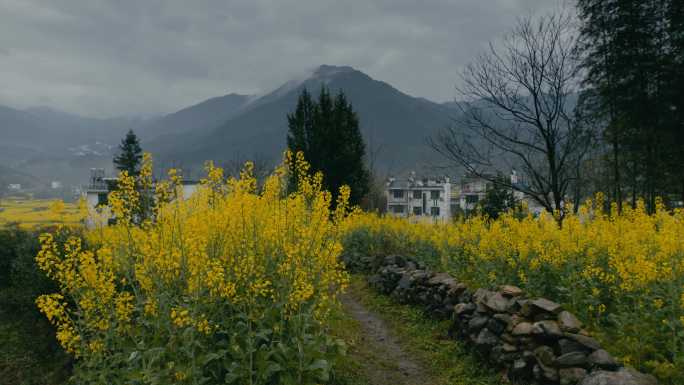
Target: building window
(454,209)
(417,211)
(471,199)
(417,194)
(398,194)
(434,211)
(397,209)
(102,199)
(434,194)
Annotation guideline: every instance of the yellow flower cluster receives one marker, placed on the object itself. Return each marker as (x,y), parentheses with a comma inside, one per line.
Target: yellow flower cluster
(620,272)
(204,263)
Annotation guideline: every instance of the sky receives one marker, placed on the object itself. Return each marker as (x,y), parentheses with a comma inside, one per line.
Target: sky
(105,58)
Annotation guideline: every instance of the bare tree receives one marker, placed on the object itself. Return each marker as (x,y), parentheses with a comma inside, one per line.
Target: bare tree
(374,199)
(519,98)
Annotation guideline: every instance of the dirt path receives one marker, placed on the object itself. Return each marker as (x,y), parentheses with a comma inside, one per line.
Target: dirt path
(384,361)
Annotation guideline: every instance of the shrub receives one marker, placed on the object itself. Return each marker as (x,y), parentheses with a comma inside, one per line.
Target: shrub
(29,353)
(229,285)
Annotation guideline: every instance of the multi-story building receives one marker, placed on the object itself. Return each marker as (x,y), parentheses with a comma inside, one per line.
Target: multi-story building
(473,189)
(97,192)
(424,198)
(439,198)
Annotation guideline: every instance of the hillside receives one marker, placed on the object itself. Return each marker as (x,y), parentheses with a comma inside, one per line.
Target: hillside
(54,145)
(393,122)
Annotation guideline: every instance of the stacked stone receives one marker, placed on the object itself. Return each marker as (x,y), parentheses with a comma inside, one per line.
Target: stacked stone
(533,339)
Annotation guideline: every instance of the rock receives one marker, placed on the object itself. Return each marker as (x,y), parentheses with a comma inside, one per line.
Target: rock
(455,289)
(543,316)
(566,345)
(508,338)
(481,295)
(421,276)
(496,354)
(513,307)
(513,321)
(543,304)
(543,372)
(480,307)
(585,341)
(525,308)
(405,282)
(510,291)
(569,360)
(521,369)
(477,322)
(486,339)
(568,322)
(394,260)
(544,355)
(497,303)
(621,377)
(547,329)
(508,348)
(522,329)
(571,376)
(464,308)
(503,318)
(497,327)
(439,279)
(602,359)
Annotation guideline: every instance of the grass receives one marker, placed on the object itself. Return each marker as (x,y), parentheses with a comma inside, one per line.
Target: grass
(448,360)
(32,213)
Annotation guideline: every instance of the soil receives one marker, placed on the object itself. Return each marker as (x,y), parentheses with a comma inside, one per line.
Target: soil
(390,364)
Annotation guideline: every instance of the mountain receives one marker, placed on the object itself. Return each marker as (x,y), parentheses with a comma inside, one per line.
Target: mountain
(45,144)
(394,124)
(9,175)
(53,145)
(197,118)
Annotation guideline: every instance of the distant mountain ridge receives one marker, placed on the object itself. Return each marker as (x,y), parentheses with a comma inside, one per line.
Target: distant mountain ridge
(392,121)
(54,145)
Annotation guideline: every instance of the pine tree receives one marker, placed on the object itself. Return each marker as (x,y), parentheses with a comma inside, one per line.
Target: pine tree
(130,155)
(327,132)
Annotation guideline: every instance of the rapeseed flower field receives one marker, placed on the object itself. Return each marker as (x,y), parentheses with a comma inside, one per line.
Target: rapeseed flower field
(237,283)
(230,285)
(33,213)
(622,273)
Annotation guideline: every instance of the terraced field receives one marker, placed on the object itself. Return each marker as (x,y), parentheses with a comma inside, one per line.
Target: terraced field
(31,213)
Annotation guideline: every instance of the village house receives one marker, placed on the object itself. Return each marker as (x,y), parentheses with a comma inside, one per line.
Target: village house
(439,198)
(97,192)
(423,198)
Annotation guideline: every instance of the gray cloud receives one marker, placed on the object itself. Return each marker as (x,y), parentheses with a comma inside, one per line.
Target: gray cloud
(114,57)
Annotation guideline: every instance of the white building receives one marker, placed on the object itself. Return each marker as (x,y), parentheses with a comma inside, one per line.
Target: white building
(14,187)
(425,198)
(98,189)
(438,198)
(471,191)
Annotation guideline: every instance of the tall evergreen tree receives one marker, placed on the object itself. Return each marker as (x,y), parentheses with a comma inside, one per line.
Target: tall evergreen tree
(327,132)
(630,54)
(130,155)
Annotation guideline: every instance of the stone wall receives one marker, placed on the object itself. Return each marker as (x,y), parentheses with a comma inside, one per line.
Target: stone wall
(534,339)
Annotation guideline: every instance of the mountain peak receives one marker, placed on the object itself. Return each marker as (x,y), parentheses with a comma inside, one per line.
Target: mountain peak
(326,70)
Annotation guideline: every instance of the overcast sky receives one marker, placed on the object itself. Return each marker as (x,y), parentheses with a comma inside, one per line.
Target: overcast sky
(138,57)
